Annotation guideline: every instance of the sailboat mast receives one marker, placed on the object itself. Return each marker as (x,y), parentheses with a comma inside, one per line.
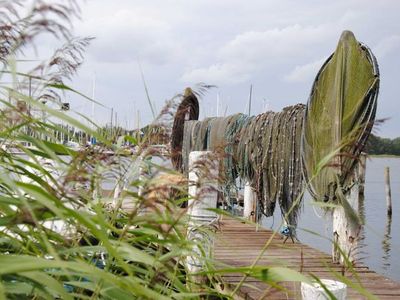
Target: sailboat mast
(93,97)
(218,104)
(250,94)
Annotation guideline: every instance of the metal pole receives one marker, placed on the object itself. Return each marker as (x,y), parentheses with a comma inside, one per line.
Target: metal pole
(44,121)
(30,87)
(251,91)
(29,106)
(218,104)
(111,126)
(93,95)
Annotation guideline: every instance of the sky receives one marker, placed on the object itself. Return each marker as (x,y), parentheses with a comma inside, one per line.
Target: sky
(275,46)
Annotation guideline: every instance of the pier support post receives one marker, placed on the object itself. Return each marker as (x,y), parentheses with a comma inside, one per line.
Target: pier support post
(315,291)
(203,183)
(250,202)
(346,231)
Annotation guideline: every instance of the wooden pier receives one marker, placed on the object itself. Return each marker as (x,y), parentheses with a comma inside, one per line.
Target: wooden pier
(238,244)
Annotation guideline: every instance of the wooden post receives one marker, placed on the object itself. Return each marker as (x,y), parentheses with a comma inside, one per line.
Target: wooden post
(388,191)
(315,291)
(346,231)
(203,171)
(250,201)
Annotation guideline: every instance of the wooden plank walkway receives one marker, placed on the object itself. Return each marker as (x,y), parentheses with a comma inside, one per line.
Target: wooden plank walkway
(238,244)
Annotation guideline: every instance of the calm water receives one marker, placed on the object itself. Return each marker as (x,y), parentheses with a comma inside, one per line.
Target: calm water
(381,245)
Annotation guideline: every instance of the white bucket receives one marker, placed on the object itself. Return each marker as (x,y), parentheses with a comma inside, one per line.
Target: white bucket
(315,291)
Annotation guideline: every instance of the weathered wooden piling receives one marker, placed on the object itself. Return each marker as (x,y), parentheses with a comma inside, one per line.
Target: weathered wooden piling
(346,230)
(315,291)
(249,203)
(388,191)
(203,171)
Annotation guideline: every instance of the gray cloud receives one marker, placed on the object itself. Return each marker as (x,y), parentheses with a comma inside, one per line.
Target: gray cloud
(305,72)
(256,50)
(277,46)
(387,46)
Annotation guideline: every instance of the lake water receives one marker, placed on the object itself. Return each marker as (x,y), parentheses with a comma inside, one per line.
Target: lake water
(381,243)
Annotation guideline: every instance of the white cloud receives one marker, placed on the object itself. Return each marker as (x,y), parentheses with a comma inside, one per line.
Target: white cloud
(386,46)
(229,43)
(275,44)
(125,35)
(252,51)
(226,73)
(305,72)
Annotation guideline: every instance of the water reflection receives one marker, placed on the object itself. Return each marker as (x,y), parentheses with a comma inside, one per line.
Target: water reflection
(386,243)
(361,252)
(373,210)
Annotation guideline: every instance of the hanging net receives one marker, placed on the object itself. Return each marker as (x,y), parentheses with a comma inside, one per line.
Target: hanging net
(339,117)
(317,144)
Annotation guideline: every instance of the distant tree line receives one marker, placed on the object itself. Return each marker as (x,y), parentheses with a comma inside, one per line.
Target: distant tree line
(379,145)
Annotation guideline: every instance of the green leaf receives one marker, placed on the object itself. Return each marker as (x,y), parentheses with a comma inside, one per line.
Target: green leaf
(264,273)
(131,139)
(130,253)
(49,283)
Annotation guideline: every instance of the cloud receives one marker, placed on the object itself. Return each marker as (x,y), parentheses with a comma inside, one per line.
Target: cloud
(226,73)
(275,44)
(305,72)
(125,35)
(229,43)
(387,46)
(254,51)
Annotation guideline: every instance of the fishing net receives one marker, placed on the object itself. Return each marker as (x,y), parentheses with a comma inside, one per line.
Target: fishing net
(263,150)
(187,110)
(277,153)
(339,117)
(268,156)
